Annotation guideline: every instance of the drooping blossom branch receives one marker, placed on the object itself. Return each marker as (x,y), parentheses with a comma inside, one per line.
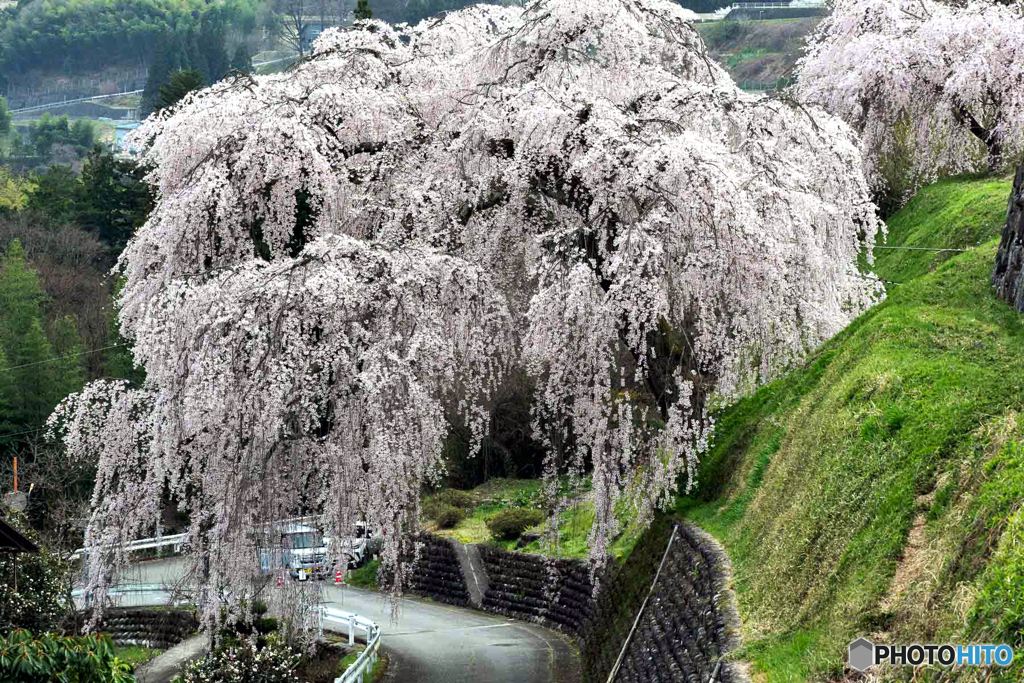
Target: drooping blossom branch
(346,253)
(952,76)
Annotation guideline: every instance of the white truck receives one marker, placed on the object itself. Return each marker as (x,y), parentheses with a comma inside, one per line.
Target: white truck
(304,551)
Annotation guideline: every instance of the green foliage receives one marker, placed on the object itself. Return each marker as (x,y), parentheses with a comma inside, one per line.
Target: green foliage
(720,32)
(43,594)
(5,118)
(456,498)
(14,191)
(38,382)
(25,658)
(363,11)
(510,523)
(365,576)
(52,130)
(242,60)
(814,482)
(444,515)
(54,194)
(68,35)
(179,84)
(113,198)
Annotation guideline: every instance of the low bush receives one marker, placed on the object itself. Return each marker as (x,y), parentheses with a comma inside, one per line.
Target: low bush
(447,516)
(25,658)
(456,498)
(509,524)
(246,662)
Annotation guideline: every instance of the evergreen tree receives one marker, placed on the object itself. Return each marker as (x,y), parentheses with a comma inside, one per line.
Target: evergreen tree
(36,380)
(113,198)
(168,57)
(54,193)
(5,118)
(179,84)
(242,61)
(195,60)
(363,11)
(211,45)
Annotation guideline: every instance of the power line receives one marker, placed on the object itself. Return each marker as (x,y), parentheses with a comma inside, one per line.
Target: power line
(70,355)
(918,248)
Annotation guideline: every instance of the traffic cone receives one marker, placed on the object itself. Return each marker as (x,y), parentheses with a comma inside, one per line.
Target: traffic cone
(279,580)
(339,580)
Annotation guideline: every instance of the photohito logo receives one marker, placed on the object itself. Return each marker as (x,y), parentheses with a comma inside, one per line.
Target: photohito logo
(864,653)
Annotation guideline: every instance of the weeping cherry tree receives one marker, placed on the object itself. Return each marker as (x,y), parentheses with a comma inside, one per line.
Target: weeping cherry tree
(345,254)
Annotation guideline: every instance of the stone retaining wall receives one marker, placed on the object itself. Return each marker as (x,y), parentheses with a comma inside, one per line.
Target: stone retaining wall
(688,624)
(156,628)
(555,593)
(437,574)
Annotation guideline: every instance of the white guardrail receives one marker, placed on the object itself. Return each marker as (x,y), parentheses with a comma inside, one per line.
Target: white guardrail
(178,540)
(360,669)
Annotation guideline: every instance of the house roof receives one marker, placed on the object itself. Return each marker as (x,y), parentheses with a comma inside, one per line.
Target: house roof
(11,540)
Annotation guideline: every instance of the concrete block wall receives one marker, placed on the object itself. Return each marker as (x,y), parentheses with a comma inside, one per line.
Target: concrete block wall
(156,628)
(437,574)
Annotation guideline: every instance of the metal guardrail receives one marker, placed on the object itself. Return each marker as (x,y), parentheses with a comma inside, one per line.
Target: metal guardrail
(51,105)
(364,664)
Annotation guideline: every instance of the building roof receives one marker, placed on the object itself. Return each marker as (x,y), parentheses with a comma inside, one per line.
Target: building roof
(11,540)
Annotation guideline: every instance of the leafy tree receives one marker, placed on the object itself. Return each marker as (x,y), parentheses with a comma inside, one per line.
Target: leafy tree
(211,44)
(54,193)
(113,198)
(945,77)
(58,130)
(47,657)
(363,11)
(242,61)
(14,191)
(179,84)
(43,594)
(342,256)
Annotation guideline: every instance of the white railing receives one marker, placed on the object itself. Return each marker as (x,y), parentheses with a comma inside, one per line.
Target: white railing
(51,105)
(176,540)
(359,669)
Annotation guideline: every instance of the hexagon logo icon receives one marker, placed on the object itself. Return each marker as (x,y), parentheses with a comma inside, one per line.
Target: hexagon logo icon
(862,654)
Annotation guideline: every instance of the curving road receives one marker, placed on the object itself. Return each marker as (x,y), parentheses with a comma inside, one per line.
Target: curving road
(429,641)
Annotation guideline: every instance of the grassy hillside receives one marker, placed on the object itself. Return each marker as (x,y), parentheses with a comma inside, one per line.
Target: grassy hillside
(760,51)
(878,490)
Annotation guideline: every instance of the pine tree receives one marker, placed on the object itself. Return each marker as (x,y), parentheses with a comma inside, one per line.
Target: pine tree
(211,45)
(168,57)
(68,367)
(363,11)
(242,61)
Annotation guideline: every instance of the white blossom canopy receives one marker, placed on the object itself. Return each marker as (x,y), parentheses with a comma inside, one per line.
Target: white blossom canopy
(342,253)
(951,76)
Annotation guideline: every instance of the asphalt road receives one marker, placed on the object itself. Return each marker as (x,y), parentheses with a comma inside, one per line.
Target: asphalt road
(429,642)
(436,642)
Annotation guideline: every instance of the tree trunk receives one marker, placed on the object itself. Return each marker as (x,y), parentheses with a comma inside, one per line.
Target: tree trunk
(1008,276)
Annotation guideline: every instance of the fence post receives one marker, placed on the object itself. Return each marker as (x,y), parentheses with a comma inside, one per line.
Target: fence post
(351,630)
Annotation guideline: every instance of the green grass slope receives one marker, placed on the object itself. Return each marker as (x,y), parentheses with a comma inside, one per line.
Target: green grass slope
(878,490)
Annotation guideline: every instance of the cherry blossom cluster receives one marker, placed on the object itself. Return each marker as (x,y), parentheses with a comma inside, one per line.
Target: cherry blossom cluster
(345,254)
(952,76)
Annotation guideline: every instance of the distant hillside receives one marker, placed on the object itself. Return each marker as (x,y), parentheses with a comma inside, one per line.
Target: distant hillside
(758,51)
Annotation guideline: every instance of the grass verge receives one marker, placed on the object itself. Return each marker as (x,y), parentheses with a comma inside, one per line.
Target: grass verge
(877,491)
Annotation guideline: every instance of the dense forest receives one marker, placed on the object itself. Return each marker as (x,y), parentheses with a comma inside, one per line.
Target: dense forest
(74,36)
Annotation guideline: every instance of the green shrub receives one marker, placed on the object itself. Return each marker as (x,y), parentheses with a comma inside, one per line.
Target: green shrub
(456,499)
(25,658)
(509,524)
(447,516)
